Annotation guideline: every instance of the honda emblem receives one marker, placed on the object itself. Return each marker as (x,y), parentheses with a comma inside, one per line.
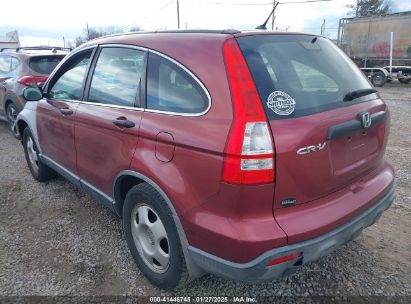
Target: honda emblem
(365,119)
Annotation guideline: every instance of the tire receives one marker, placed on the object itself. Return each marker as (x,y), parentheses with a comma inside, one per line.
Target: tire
(11,115)
(404,80)
(378,79)
(156,251)
(38,169)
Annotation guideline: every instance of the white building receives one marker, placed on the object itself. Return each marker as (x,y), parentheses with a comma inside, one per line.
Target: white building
(11,40)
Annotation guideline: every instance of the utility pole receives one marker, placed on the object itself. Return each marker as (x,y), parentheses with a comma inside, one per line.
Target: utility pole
(88,32)
(64,42)
(272,22)
(323,28)
(178,14)
(391,46)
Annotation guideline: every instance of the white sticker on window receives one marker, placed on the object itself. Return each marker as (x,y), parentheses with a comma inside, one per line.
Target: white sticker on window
(281,103)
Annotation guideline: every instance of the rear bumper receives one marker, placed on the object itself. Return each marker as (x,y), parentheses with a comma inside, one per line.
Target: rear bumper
(257,270)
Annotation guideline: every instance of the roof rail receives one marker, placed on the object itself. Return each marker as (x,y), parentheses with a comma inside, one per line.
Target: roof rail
(51,48)
(227,31)
(4,49)
(33,48)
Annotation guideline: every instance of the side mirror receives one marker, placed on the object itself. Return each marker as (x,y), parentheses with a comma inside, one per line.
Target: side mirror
(32,94)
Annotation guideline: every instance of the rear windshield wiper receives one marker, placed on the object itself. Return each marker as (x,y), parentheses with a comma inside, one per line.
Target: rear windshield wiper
(358,93)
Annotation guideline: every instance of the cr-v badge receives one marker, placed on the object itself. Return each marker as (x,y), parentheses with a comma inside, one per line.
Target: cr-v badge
(310,149)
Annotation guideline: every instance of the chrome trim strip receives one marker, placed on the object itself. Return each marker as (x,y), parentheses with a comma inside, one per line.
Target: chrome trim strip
(130,46)
(111,106)
(194,77)
(64,100)
(146,109)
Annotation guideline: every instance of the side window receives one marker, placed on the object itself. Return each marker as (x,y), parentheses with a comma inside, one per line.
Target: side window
(313,80)
(5,63)
(117,77)
(69,84)
(14,63)
(172,89)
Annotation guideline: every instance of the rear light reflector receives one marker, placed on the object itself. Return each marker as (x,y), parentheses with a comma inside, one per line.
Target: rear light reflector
(257,164)
(249,152)
(257,139)
(284,259)
(32,81)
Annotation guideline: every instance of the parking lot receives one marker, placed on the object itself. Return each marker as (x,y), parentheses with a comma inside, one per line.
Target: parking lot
(56,240)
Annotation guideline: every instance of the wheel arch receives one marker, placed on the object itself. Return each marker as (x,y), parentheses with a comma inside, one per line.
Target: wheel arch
(21,126)
(27,119)
(127,179)
(7,102)
(11,98)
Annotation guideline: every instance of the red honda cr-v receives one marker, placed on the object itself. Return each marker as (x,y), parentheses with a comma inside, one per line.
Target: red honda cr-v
(244,154)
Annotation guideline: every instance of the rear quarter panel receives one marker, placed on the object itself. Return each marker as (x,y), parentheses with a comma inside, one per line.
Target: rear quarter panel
(194,173)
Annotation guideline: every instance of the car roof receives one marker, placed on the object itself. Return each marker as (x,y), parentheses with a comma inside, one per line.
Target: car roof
(144,38)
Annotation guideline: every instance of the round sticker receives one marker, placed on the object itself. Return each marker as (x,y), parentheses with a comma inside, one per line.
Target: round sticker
(281,103)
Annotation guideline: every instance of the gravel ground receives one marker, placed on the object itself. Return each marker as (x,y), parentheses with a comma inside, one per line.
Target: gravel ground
(55,240)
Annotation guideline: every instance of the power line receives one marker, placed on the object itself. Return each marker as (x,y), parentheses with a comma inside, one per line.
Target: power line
(266,3)
(307,1)
(225,3)
(152,14)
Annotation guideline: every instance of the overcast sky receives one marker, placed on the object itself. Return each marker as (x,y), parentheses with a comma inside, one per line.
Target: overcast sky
(47,21)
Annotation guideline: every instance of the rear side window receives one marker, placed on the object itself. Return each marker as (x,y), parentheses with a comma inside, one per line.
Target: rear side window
(117,77)
(44,64)
(5,63)
(170,88)
(298,75)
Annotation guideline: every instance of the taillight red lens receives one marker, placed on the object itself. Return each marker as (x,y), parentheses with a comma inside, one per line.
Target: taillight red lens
(249,152)
(31,81)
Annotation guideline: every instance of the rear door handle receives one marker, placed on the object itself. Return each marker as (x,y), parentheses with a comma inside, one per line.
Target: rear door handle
(66,111)
(124,123)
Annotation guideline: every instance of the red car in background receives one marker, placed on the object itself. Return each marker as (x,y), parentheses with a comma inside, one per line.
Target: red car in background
(243,154)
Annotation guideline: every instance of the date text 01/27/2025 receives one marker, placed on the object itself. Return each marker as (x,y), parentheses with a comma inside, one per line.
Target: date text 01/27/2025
(202,299)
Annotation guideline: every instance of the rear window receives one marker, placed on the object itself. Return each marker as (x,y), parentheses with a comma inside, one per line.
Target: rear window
(298,75)
(44,65)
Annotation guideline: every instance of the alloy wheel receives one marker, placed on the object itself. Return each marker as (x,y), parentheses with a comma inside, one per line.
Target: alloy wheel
(12,116)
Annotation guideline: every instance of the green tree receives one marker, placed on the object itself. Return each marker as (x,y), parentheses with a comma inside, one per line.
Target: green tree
(371,8)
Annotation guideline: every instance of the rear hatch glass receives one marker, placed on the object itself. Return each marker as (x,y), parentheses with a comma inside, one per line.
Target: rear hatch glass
(44,64)
(303,81)
(309,72)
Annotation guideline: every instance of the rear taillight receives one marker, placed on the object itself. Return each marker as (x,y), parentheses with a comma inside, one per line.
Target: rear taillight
(32,81)
(249,152)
